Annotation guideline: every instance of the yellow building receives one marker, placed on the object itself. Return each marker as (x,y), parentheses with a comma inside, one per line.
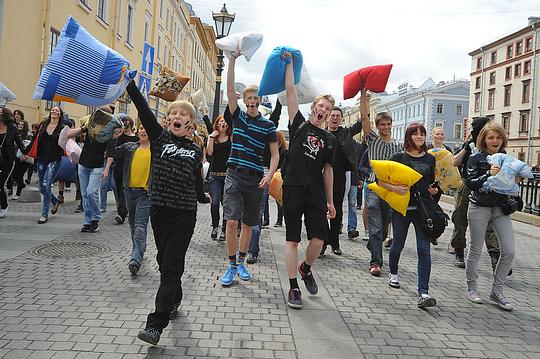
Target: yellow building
(31,28)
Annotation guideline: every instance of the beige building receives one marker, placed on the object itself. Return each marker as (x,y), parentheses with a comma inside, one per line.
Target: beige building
(505,86)
(181,42)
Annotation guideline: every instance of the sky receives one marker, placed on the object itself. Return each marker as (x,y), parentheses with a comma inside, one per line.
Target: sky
(421,39)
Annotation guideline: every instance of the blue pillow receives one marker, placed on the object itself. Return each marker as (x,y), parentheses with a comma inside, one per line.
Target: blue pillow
(273,78)
(67,171)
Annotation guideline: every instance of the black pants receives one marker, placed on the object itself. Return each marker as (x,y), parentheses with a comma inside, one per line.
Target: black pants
(173,230)
(121,207)
(5,171)
(335,223)
(18,175)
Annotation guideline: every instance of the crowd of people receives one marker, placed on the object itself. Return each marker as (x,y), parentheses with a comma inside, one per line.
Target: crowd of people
(156,172)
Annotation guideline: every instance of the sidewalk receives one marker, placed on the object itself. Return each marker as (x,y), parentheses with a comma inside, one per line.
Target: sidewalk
(88,306)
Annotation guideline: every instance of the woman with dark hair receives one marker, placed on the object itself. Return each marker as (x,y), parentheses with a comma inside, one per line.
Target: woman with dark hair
(218,148)
(8,139)
(21,166)
(48,157)
(415,156)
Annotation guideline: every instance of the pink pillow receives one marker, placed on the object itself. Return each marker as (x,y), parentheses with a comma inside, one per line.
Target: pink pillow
(374,78)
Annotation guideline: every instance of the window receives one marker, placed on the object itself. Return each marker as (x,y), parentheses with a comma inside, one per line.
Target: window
(439,108)
(492,78)
(122,107)
(508,73)
(479,63)
(527,67)
(158,46)
(517,70)
(167,20)
(161,9)
(102,10)
(129,23)
(506,121)
(457,130)
(51,104)
(459,109)
(477,82)
(528,44)
(439,124)
(494,57)
(519,47)
(174,33)
(509,51)
(491,99)
(507,94)
(523,121)
(90,110)
(147,26)
(526,91)
(119,24)
(476,102)
(165,52)
(55,34)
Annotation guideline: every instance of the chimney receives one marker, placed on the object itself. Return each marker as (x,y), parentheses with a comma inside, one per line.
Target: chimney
(533,20)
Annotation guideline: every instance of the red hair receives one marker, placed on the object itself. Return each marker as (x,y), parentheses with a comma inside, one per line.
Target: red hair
(408,141)
(216,126)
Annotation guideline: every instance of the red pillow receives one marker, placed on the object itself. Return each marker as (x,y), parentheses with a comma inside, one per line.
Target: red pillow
(374,78)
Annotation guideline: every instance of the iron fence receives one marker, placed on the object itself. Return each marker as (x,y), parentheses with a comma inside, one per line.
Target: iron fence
(530,193)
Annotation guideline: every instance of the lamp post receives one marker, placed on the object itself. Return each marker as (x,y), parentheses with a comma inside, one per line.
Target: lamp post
(223,22)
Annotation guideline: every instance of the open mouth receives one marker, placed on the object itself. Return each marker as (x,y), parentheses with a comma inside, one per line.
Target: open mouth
(319,116)
(177,125)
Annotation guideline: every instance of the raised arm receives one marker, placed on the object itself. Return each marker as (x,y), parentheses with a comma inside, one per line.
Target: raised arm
(148,120)
(364,112)
(274,117)
(292,96)
(231,91)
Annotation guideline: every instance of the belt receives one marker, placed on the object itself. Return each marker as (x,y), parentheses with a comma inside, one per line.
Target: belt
(244,170)
(218,174)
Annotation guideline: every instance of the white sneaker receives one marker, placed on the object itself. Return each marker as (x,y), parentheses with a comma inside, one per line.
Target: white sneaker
(394,281)
(3,212)
(15,197)
(426,300)
(473,296)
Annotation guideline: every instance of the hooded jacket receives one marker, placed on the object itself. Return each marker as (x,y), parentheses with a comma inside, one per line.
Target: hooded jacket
(478,169)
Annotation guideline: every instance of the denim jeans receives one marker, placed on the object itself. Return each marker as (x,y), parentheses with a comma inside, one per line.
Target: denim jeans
(46,174)
(138,206)
(256,230)
(378,220)
(352,220)
(400,226)
(89,179)
(106,185)
(215,187)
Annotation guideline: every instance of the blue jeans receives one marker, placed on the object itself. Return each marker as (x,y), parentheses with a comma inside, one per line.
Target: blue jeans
(215,187)
(138,206)
(352,221)
(106,186)
(400,226)
(46,173)
(89,179)
(378,220)
(256,230)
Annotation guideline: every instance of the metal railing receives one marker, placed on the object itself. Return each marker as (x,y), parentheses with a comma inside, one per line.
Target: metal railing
(530,193)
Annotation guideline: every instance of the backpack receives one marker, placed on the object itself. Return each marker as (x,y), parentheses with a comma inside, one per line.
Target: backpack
(431,218)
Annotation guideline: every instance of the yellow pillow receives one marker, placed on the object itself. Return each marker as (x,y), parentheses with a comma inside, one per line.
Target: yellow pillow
(395,173)
(445,173)
(275,189)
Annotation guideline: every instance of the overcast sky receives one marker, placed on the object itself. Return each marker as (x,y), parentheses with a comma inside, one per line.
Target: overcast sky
(421,39)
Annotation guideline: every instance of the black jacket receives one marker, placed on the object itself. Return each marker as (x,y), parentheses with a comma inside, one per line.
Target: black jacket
(477,174)
(8,144)
(345,140)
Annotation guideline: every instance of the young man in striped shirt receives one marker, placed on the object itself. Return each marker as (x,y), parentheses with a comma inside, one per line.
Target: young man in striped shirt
(380,147)
(245,172)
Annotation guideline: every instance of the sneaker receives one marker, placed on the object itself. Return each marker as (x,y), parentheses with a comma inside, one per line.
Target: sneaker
(278,224)
(222,237)
(149,335)
(3,212)
(103,210)
(337,251)
(61,198)
(295,298)
(353,234)
(426,300)
(174,312)
(473,296)
(119,219)
(501,301)
(460,261)
(85,228)
(252,258)
(15,197)
(214,233)
(243,272)
(94,225)
(133,267)
(394,281)
(227,278)
(309,281)
(79,209)
(388,242)
(42,220)
(375,270)
(365,237)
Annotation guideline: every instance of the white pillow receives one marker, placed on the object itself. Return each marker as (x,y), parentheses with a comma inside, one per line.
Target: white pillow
(199,99)
(305,89)
(246,42)
(6,95)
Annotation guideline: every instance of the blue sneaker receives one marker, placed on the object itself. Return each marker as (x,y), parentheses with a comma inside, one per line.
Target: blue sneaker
(243,272)
(228,276)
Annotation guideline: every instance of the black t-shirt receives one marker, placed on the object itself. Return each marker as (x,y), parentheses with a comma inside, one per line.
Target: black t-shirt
(92,154)
(220,155)
(112,144)
(310,147)
(424,165)
(340,161)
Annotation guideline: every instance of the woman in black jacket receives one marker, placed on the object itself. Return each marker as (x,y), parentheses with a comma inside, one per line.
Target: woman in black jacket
(21,166)
(485,208)
(9,137)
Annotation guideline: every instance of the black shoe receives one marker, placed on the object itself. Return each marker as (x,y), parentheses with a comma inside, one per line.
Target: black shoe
(252,258)
(54,207)
(174,312)
(460,261)
(27,181)
(85,228)
(214,233)
(353,234)
(278,224)
(149,335)
(309,281)
(133,267)
(222,236)
(295,298)
(337,251)
(94,225)
(79,209)
(10,192)
(119,219)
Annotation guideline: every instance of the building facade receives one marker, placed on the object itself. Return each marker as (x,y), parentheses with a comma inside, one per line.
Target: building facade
(505,79)
(180,40)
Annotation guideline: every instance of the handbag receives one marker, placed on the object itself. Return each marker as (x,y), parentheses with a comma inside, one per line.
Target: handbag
(431,217)
(34,149)
(511,205)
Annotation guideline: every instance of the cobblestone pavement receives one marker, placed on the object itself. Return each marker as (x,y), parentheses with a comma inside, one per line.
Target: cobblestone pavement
(90,307)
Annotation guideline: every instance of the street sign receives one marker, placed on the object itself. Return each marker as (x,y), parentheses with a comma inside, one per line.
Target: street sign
(144,85)
(147,65)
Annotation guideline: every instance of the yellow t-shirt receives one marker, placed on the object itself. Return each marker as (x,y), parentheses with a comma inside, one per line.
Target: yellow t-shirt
(140,169)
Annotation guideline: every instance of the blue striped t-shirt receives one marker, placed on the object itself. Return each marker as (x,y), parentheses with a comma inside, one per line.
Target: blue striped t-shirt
(250,135)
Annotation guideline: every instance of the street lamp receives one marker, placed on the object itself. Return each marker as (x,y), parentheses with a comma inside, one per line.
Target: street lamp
(223,22)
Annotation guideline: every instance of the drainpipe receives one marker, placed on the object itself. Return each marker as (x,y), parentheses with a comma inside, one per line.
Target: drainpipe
(45,40)
(534,83)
